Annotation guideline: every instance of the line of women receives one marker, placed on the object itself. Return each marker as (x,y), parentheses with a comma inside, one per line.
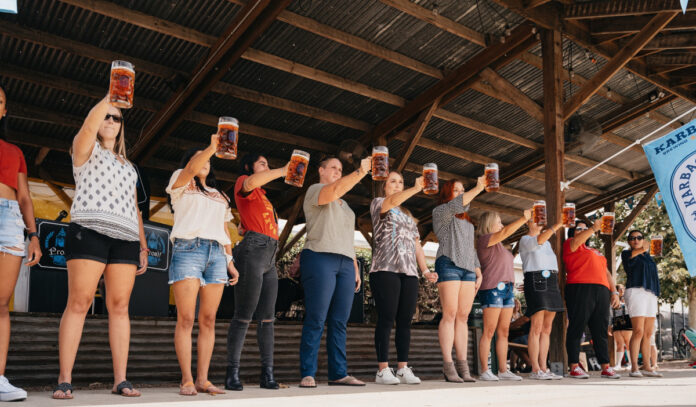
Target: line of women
(106,238)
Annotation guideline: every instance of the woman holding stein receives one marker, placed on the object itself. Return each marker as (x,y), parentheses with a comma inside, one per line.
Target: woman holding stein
(496,295)
(459,274)
(105,236)
(256,293)
(642,291)
(330,274)
(541,293)
(201,261)
(396,260)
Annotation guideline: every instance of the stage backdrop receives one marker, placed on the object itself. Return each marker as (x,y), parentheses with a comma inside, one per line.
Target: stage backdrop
(673,161)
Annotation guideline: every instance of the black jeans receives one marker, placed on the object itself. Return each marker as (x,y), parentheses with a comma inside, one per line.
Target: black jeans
(588,304)
(396,295)
(254,296)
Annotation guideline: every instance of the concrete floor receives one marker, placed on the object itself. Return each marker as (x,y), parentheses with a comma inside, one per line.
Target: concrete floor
(677,388)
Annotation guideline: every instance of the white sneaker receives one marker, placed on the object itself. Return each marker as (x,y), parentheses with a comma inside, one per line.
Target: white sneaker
(488,376)
(652,373)
(405,375)
(637,373)
(508,375)
(540,375)
(553,375)
(10,393)
(386,376)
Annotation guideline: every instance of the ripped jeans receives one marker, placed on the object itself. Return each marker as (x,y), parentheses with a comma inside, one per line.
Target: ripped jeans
(11,228)
(198,258)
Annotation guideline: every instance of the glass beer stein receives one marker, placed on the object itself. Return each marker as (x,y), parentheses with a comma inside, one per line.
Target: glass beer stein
(430,179)
(568,215)
(492,177)
(607,223)
(121,86)
(299,161)
(656,246)
(539,213)
(380,163)
(228,130)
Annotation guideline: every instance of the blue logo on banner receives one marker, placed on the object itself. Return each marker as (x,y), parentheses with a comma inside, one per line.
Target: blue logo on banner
(673,161)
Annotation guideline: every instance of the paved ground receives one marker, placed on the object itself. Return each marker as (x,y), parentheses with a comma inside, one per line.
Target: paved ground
(677,388)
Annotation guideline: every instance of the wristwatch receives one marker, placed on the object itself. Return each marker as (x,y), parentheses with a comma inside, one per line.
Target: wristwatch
(615,293)
(32,234)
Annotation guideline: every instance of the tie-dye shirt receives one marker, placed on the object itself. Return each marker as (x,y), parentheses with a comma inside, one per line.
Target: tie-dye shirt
(395,236)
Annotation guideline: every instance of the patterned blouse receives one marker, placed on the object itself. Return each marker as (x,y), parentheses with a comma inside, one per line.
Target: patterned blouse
(395,235)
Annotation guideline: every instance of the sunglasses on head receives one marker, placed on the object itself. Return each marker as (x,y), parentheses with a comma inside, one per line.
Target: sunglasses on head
(117,118)
(632,238)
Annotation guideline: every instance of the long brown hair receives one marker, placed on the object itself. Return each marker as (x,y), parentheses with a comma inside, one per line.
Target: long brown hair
(401,207)
(120,144)
(447,194)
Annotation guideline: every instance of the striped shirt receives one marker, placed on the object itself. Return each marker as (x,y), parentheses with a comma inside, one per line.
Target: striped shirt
(456,236)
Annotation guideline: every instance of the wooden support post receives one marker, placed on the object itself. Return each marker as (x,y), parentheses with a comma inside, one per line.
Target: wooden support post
(41,155)
(551,45)
(292,219)
(610,254)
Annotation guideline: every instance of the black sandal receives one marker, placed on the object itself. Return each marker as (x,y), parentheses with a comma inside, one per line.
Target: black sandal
(124,385)
(65,387)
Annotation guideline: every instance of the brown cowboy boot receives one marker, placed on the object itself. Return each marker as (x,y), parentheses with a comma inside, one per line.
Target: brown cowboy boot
(463,370)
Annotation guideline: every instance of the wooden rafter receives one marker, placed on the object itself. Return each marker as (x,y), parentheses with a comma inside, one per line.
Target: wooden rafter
(617,120)
(617,8)
(515,96)
(633,24)
(617,62)
(679,59)
(158,207)
(291,220)
(411,144)
(672,41)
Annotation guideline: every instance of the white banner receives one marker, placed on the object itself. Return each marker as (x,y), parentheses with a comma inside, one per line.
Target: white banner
(8,6)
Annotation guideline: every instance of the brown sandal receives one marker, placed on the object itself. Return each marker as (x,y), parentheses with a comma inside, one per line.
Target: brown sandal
(187,389)
(209,388)
(346,381)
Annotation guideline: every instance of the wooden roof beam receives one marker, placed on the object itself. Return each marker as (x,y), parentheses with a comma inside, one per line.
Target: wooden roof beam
(633,24)
(411,144)
(617,62)
(681,60)
(617,8)
(672,41)
(510,92)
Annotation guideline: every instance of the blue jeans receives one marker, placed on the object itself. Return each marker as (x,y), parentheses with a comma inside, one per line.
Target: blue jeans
(198,258)
(329,285)
(11,228)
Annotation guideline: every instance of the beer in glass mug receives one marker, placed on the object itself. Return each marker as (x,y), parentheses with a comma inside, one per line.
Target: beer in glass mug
(299,161)
(607,223)
(122,84)
(380,163)
(539,213)
(568,215)
(430,179)
(492,177)
(228,130)
(656,246)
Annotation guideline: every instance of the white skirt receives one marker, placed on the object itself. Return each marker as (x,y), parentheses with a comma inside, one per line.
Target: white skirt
(640,302)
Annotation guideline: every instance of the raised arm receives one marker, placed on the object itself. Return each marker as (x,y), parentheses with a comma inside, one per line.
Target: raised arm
(196,163)
(508,230)
(397,199)
(83,143)
(546,234)
(262,178)
(580,238)
(341,186)
(469,195)
(641,250)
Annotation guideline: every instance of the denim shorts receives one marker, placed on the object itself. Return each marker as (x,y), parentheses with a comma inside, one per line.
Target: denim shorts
(495,298)
(447,271)
(11,228)
(198,258)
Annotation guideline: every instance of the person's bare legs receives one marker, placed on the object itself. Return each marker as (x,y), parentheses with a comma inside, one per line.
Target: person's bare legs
(637,323)
(119,280)
(534,342)
(9,271)
(211,295)
(545,339)
(645,348)
(502,331)
(83,277)
(449,299)
(490,323)
(467,292)
(185,294)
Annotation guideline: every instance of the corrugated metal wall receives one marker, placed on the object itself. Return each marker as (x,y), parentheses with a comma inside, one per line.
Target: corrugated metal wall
(33,356)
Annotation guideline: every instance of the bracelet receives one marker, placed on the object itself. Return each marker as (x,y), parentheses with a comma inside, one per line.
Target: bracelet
(615,293)
(230,258)
(144,249)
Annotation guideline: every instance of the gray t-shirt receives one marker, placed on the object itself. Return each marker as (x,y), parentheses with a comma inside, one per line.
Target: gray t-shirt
(330,227)
(395,235)
(536,257)
(456,236)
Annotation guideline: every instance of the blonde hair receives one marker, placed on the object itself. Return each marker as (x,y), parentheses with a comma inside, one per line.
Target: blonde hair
(487,222)
(401,207)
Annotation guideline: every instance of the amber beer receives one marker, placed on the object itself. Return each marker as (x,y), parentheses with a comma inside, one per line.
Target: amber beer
(569,215)
(540,213)
(656,246)
(380,163)
(607,223)
(430,179)
(299,161)
(492,177)
(228,129)
(122,84)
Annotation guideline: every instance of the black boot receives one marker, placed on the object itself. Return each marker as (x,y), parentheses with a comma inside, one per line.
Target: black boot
(267,380)
(232,381)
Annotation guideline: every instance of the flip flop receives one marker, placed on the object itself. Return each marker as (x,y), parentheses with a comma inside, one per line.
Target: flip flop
(65,387)
(308,386)
(124,385)
(346,381)
(187,389)
(209,388)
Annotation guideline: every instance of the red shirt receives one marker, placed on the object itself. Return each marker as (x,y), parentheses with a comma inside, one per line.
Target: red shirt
(585,265)
(256,210)
(11,163)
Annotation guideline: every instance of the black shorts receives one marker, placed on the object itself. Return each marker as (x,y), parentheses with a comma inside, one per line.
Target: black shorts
(84,243)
